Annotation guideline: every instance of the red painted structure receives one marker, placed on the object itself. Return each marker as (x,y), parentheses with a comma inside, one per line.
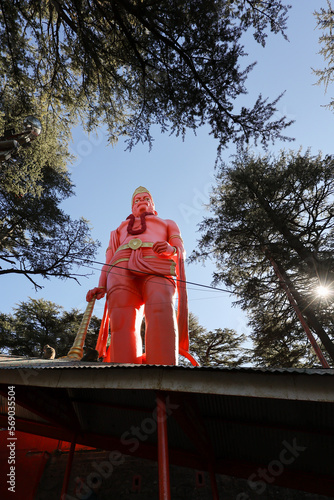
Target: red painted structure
(31,455)
(164,484)
(224,421)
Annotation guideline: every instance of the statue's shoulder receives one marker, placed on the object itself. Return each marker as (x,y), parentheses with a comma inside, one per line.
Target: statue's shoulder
(166,222)
(115,233)
(171,226)
(123,224)
(171,223)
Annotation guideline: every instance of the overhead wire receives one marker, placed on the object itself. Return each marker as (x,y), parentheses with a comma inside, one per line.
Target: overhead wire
(201,285)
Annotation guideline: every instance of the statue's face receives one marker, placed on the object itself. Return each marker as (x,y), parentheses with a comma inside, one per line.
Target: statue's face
(142,202)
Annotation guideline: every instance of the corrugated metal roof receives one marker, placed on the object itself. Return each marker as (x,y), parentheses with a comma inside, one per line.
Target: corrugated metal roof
(7,362)
(276,383)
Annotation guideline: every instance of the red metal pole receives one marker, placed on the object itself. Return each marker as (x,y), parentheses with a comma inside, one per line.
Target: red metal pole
(163,463)
(68,469)
(214,487)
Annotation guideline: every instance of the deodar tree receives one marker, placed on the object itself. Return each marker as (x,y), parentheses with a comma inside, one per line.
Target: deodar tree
(132,64)
(127,64)
(36,323)
(37,238)
(325,22)
(276,211)
(218,347)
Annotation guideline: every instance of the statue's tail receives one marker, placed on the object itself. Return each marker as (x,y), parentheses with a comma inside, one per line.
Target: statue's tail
(101,345)
(182,307)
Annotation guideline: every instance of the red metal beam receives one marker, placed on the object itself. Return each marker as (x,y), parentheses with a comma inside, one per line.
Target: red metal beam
(213,481)
(305,481)
(163,460)
(103,442)
(188,418)
(187,415)
(68,469)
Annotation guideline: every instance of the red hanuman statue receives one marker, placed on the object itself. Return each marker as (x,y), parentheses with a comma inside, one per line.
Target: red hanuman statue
(144,256)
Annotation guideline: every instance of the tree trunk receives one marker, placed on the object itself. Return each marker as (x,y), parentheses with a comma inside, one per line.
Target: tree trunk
(312,320)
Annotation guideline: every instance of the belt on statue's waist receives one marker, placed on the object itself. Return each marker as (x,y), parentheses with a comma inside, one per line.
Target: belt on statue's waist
(134,244)
(147,264)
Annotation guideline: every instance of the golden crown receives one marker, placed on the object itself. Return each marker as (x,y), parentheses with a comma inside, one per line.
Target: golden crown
(141,189)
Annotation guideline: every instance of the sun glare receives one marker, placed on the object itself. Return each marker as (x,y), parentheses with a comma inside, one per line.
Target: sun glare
(323,291)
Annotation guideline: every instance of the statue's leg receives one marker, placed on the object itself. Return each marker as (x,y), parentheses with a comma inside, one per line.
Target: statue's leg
(125,312)
(161,339)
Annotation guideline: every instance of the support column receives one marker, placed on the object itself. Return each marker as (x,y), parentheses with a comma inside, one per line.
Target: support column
(163,462)
(68,469)
(214,487)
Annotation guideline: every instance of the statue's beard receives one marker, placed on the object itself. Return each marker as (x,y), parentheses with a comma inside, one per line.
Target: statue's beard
(132,219)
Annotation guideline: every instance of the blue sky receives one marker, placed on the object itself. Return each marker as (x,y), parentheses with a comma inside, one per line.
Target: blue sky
(179,173)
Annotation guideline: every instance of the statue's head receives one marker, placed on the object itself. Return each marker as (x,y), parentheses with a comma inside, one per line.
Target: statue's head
(142,201)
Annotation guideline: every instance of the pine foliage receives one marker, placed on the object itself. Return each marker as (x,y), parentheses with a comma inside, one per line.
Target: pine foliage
(220,347)
(134,64)
(37,238)
(276,212)
(36,323)
(325,23)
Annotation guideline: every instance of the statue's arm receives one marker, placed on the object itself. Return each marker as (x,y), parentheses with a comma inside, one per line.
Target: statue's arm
(101,289)
(174,237)
(173,244)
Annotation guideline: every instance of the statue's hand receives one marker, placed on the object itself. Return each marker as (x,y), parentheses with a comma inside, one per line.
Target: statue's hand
(163,248)
(98,291)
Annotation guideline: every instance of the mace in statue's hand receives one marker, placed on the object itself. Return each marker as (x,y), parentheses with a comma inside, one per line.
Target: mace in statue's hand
(98,291)
(163,248)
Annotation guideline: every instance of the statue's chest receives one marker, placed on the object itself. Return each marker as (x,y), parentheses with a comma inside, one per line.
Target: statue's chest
(155,229)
